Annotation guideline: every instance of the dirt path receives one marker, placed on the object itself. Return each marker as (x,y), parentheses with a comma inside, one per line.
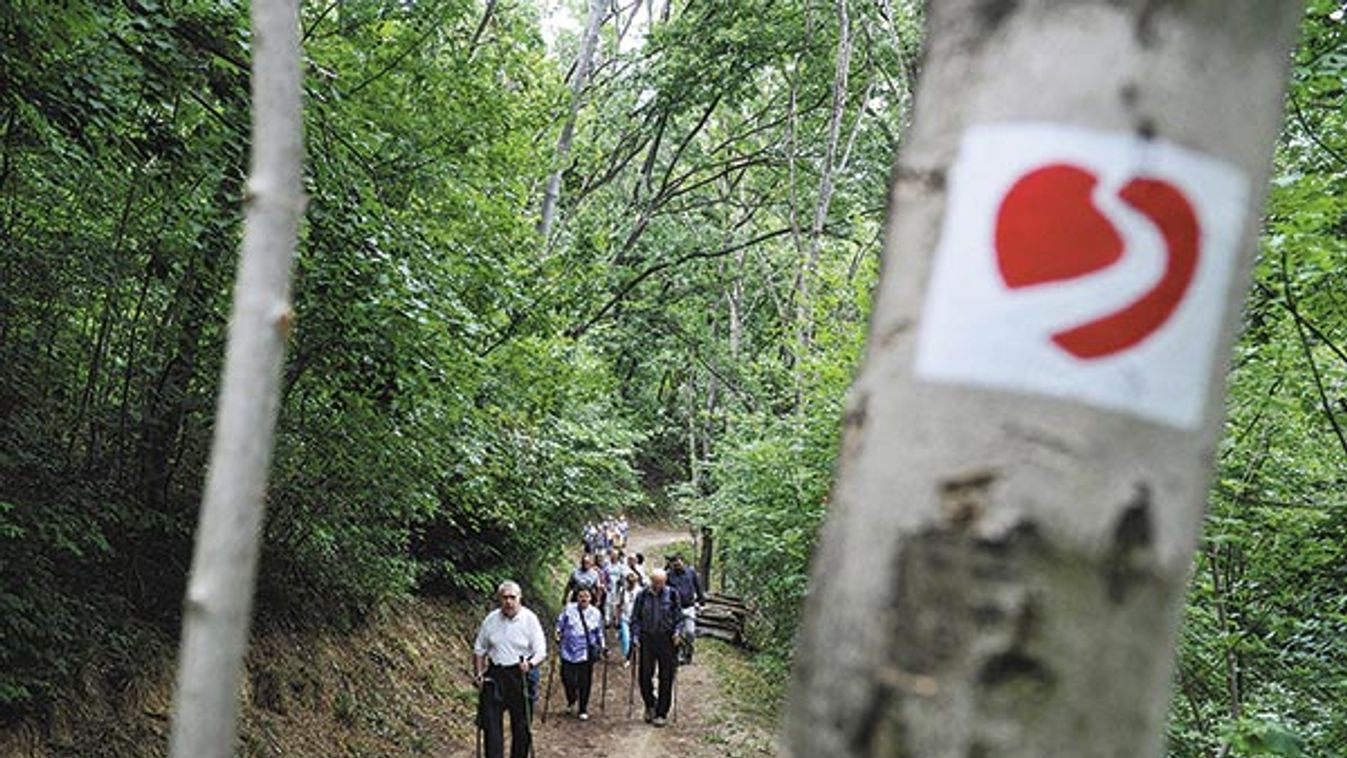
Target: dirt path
(707,725)
(648,539)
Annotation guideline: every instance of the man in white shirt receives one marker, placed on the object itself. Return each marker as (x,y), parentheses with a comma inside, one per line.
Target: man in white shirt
(509,643)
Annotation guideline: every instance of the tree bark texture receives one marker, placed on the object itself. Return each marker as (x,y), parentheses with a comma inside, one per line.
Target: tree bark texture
(218,605)
(584,63)
(1002,574)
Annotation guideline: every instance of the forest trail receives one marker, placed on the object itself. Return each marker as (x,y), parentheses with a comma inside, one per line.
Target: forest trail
(707,724)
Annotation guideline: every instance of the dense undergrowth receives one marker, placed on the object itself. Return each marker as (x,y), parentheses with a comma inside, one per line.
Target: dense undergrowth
(435,435)
(400,685)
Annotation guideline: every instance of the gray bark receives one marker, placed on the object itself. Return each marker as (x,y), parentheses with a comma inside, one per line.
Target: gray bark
(1004,573)
(584,63)
(218,606)
(809,266)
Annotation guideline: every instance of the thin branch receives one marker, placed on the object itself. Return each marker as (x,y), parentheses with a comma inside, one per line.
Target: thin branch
(621,294)
(318,20)
(481,27)
(1309,355)
(1299,317)
(397,59)
(1314,135)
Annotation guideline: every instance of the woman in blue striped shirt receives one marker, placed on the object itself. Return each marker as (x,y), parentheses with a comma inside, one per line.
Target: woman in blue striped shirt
(579,633)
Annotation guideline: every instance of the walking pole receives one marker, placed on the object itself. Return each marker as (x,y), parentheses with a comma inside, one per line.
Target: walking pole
(479,724)
(481,712)
(528,703)
(631,688)
(547,699)
(673,691)
(603,698)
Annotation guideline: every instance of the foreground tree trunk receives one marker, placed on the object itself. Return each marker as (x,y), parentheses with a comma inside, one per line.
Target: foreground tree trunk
(218,606)
(1003,569)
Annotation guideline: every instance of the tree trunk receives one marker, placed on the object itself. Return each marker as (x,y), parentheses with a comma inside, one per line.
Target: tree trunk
(694,465)
(217,609)
(583,63)
(708,550)
(1005,561)
(809,266)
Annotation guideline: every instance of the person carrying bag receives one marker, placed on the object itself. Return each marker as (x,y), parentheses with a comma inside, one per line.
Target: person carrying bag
(579,633)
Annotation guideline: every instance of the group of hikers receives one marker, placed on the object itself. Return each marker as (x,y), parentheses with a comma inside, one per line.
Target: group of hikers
(652,611)
(602,536)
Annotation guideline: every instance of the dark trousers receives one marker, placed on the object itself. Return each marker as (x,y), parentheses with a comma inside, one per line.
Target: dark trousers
(505,692)
(657,651)
(578,679)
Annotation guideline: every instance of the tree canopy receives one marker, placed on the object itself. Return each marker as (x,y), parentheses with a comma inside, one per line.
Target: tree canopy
(461,391)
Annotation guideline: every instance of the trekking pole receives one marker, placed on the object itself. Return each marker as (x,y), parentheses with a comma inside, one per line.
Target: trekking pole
(631,688)
(528,704)
(547,699)
(481,712)
(673,693)
(603,697)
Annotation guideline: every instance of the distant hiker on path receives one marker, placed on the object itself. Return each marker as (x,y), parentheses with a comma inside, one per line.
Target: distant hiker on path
(617,571)
(586,577)
(602,594)
(509,643)
(684,579)
(579,633)
(656,630)
(630,588)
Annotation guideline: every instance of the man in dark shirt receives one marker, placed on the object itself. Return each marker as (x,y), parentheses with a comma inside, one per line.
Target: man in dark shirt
(683,578)
(656,631)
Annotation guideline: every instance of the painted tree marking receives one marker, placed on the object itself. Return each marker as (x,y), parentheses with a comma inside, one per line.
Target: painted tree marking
(1048,230)
(1087,265)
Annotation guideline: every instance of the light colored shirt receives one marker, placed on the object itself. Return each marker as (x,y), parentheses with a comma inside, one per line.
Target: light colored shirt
(629,600)
(506,640)
(575,643)
(636,569)
(616,572)
(582,579)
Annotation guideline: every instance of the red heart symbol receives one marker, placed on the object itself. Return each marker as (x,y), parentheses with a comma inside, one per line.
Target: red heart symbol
(1048,229)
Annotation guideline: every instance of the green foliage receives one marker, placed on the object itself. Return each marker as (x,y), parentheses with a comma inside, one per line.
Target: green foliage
(1267,617)
(461,394)
(1259,737)
(429,441)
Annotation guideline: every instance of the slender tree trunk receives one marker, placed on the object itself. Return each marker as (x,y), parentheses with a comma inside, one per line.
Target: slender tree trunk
(1004,564)
(734,299)
(694,465)
(583,64)
(218,606)
(708,550)
(481,27)
(809,266)
(169,398)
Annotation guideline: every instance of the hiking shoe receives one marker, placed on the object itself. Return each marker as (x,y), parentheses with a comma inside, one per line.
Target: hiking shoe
(660,721)
(570,709)
(584,717)
(649,715)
